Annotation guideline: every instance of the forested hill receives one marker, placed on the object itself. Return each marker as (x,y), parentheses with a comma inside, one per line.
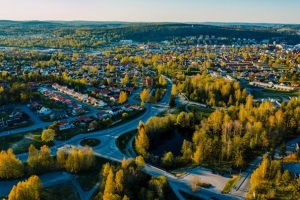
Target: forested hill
(158,32)
(81,32)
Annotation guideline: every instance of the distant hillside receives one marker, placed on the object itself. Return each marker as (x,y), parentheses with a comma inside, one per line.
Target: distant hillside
(142,32)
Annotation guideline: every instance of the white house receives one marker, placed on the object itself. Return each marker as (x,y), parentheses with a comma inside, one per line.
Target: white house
(126,107)
(44,111)
(100,103)
(83,97)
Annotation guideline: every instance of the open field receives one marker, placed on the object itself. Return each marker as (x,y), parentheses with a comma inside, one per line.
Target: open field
(20,142)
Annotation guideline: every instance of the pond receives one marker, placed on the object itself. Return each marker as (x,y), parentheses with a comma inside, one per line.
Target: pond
(173,144)
(294,168)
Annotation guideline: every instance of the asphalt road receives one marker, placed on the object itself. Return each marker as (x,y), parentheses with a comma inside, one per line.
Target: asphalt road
(109,150)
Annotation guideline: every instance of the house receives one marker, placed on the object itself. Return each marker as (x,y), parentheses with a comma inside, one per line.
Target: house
(136,107)
(76,105)
(15,114)
(91,100)
(35,105)
(64,125)
(78,111)
(84,119)
(298,147)
(44,111)
(83,97)
(47,93)
(58,114)
(16,121)
(100,103)
(62,88)
(149,82)
(114,111)
(102,115)
(55,86)
(126,107)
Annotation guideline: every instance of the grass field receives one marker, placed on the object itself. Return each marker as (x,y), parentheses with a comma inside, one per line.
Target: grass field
(64,191)
(123,140)
(92,142)
(271,93)
(205,112)
(230,184)
(20,142)
(68,134)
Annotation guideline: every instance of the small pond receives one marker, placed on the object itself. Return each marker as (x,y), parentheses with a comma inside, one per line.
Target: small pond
(173,144)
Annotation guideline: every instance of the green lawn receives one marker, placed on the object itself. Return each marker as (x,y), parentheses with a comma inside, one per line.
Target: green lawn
(274,94)
(205,112)
(20,142)
(230,184)
(123,140)
(92,142)
(68,134)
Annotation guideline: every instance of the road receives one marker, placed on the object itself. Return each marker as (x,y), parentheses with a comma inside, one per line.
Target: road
(108,149)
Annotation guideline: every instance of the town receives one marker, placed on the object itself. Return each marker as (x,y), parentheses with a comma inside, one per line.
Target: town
(202,114)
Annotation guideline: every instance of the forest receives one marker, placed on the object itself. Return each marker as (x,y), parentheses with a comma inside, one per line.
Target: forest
(96,35)
(233,136)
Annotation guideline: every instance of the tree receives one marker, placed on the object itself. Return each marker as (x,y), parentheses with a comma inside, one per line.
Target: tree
(61,157)
(45,160)
(174,90)
(144,96)
(125,80)
(198,156)
(10,166)
(30,189)
(48,135)
(195,183)
(172,102)
(122,97)
(135,81)
(157,95)
(119,181)
(142,141)
(139,161)
(168,160)
(32,160)
(282,150)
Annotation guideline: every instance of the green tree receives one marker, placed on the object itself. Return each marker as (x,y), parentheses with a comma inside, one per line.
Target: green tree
(157,95)
(282,150)
(168,160)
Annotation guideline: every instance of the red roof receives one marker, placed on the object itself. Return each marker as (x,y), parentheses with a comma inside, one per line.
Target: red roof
(83,118)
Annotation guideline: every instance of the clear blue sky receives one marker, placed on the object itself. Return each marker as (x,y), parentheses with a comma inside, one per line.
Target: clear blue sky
(275,11)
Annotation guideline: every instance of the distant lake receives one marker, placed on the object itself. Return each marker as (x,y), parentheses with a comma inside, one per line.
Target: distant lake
(173,144)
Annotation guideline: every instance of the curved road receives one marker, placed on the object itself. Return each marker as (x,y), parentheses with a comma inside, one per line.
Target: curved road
(109,149)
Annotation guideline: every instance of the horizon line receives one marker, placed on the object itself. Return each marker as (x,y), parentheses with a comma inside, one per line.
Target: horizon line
(232,22)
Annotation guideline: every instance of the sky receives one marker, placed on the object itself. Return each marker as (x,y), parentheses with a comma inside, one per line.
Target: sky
(262,11)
